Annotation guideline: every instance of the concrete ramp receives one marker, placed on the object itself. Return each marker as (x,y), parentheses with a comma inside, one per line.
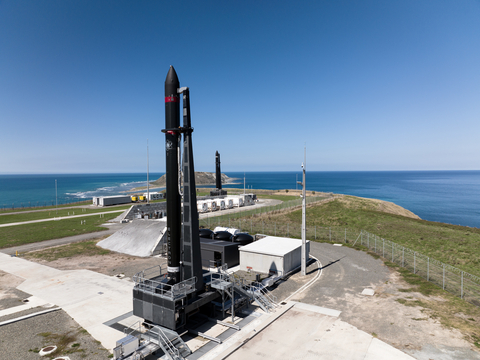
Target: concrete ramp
(140,238)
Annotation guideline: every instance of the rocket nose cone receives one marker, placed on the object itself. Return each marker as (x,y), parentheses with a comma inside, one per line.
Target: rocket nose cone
(171,76)
(171,82)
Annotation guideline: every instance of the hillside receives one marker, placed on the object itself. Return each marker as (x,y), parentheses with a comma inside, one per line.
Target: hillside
(201,178)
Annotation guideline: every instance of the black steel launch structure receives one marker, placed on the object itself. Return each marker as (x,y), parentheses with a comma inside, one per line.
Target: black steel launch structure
(218,178)
(166,298)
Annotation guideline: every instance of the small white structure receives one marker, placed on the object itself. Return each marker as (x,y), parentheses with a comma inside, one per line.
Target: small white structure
(272,255)
(236,200)
(229,203)
(111,200)
(202,206)
(221,204)
(212,205)
(154,195)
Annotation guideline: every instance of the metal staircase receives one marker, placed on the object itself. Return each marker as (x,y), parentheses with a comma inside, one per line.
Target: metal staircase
(254,291)
(153,339)
(169,341)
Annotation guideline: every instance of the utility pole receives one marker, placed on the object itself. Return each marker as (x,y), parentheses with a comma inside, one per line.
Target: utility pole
(148,182)
(304,206)
(56,197)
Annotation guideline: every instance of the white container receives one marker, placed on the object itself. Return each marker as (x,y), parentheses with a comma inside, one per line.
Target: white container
(272,254)
(222,204)
(212,205)
(202,206)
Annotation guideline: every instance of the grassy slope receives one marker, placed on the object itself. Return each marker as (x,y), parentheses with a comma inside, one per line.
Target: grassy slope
(37,215)
(30,233)
(452,244)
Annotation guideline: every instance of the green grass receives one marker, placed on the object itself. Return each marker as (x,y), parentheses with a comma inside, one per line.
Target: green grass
(30,233)
(37,215)
(454,245)
(84,248)
(278,197)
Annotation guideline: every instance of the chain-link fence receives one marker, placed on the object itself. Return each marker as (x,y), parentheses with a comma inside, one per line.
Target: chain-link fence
(42,204)
(449,278)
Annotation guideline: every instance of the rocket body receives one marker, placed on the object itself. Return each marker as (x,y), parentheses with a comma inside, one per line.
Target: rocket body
(172,139)
(218,175)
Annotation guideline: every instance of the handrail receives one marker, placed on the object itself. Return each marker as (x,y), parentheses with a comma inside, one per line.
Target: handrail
(144,280)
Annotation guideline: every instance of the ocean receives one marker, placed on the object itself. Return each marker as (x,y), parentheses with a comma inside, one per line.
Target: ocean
(445,196)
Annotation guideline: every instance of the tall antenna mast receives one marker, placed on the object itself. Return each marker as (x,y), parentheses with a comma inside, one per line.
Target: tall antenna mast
(148,181)
(304,208)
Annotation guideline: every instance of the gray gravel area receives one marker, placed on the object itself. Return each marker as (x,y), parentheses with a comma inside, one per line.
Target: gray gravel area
(14,298)
(23,339)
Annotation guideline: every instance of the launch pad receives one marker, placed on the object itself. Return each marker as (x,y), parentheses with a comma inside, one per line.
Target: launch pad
(168,299)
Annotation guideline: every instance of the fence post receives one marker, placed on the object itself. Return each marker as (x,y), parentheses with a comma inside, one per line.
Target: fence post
(461,296)
(443,286)
(428,269)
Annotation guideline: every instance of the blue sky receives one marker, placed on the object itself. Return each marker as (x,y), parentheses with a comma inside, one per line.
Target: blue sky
(366,85)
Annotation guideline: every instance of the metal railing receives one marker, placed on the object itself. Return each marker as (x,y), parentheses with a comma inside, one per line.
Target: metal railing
(150,280)
(236,219)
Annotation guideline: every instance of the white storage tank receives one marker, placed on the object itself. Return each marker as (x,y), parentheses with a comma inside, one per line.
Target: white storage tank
(272,255)
(232,231)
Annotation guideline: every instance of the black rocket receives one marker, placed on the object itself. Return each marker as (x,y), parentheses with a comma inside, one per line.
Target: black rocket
(172,143)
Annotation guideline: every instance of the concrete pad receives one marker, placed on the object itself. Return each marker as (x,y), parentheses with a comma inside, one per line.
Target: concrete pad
(378,350)
(317,309)
(90,298)
(303,332)
(368,292)
(139,238)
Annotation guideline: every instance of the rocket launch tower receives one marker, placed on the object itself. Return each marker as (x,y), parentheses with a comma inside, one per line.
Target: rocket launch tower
(218,178)
(166,297)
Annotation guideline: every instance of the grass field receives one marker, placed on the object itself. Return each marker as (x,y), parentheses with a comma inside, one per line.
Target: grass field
(50,214)
(458,246)
(83,248)
(30,233)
